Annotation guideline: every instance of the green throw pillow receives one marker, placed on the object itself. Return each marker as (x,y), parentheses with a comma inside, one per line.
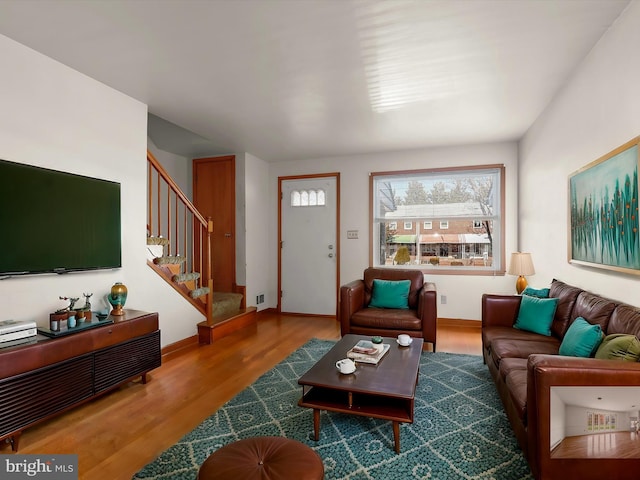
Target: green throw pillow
(390,294)
(581,340)
(539,292)
(619,346)
(536,314)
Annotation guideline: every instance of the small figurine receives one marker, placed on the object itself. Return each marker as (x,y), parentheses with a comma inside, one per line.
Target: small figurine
(72,302)
(87,303)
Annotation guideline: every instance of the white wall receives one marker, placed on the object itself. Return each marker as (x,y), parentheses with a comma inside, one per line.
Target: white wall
(557,410)
(576,421)
(57,118)
(178,167)
(597,111)
(259,273)
(463,292)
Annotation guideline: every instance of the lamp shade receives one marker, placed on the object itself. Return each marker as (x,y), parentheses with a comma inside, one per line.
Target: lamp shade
(521,264)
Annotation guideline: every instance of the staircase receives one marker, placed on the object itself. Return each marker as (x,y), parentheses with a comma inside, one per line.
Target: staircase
(178,249)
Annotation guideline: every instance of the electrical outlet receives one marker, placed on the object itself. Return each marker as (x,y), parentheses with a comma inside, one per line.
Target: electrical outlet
(352,234)
(443,299)
(261,297)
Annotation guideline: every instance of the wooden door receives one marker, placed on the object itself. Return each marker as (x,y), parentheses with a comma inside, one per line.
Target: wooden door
(214,196)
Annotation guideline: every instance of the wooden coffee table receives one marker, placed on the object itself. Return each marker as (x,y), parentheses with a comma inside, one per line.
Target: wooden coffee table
(386,390)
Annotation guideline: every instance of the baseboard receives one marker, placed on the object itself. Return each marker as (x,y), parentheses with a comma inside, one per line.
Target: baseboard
(179,345)
(460,322)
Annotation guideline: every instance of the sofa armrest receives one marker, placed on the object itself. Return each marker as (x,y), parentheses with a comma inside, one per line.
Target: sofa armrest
(351,300)
(500,310)
(547,371)
(428,312)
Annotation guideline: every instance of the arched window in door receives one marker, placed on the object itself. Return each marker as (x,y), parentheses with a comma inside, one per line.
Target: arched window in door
(308,198)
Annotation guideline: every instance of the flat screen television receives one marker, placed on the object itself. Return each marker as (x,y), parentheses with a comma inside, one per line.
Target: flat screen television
(56,222)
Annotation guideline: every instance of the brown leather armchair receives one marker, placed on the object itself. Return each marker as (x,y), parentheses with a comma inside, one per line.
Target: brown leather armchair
(418,321)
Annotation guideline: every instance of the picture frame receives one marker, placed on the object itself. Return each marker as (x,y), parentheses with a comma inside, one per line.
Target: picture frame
(604,229)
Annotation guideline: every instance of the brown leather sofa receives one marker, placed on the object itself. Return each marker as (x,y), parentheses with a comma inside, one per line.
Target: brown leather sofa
(417,321)
(525,366)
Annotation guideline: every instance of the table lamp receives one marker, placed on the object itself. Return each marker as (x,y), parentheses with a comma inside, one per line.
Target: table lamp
(521,265)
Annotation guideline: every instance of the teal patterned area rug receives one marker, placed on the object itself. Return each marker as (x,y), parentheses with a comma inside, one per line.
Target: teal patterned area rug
(459,432)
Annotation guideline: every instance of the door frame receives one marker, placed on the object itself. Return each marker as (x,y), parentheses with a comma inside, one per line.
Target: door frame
(335,175)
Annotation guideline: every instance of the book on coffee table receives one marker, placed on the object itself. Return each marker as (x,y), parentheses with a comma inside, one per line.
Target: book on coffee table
(365,352)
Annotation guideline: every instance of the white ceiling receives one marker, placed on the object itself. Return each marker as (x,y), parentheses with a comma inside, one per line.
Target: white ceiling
(615,399)
(297,79)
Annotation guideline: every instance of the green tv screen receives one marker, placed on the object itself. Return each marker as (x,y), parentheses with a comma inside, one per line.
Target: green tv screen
(57,222)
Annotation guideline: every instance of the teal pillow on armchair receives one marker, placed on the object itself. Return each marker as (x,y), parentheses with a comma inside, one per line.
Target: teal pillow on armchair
(390,294)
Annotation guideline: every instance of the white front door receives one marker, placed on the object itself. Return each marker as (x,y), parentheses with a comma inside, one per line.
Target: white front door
(309,255)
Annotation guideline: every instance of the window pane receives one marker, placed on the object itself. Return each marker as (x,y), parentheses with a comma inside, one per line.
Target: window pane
(304,198)
(321,197)
(457,215)
(295,198)
(313,198)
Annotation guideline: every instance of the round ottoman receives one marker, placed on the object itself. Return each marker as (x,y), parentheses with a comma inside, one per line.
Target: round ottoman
(263,458)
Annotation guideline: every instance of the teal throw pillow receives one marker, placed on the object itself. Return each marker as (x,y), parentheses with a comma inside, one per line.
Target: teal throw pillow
(619,346)
(539,292)
(536,314)
(390,294)
(581,340)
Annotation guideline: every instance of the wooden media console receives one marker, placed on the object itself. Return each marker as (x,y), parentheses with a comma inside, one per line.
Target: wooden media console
(43,379)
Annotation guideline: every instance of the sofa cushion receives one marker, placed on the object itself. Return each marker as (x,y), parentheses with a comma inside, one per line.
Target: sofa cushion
(539,292)
(566,295)
(516,382)
(596,309)
(581,340)
(387,319)
(507,365)
(489,334)
(619,347)
(536,314)
(516,348)
(390,293)
(625,319)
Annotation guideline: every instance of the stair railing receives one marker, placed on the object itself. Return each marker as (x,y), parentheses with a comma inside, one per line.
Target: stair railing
(170,214)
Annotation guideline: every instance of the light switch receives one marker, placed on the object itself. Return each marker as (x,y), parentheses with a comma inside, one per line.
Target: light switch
(352,234)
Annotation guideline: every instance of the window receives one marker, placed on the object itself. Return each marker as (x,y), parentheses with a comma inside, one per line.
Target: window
(458,215)
(307,198)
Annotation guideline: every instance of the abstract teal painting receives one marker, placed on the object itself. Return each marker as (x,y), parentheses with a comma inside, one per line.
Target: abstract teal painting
(603,200)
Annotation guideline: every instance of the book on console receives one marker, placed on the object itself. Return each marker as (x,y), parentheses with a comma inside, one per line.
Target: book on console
(365,352)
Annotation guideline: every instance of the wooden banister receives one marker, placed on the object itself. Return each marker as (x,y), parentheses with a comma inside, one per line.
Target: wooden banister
(171,214)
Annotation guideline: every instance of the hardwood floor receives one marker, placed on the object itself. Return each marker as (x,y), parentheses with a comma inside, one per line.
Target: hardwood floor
(117,434)
(599,445)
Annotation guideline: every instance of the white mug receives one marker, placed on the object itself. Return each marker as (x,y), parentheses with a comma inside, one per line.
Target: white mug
(404,339)
(346,365)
